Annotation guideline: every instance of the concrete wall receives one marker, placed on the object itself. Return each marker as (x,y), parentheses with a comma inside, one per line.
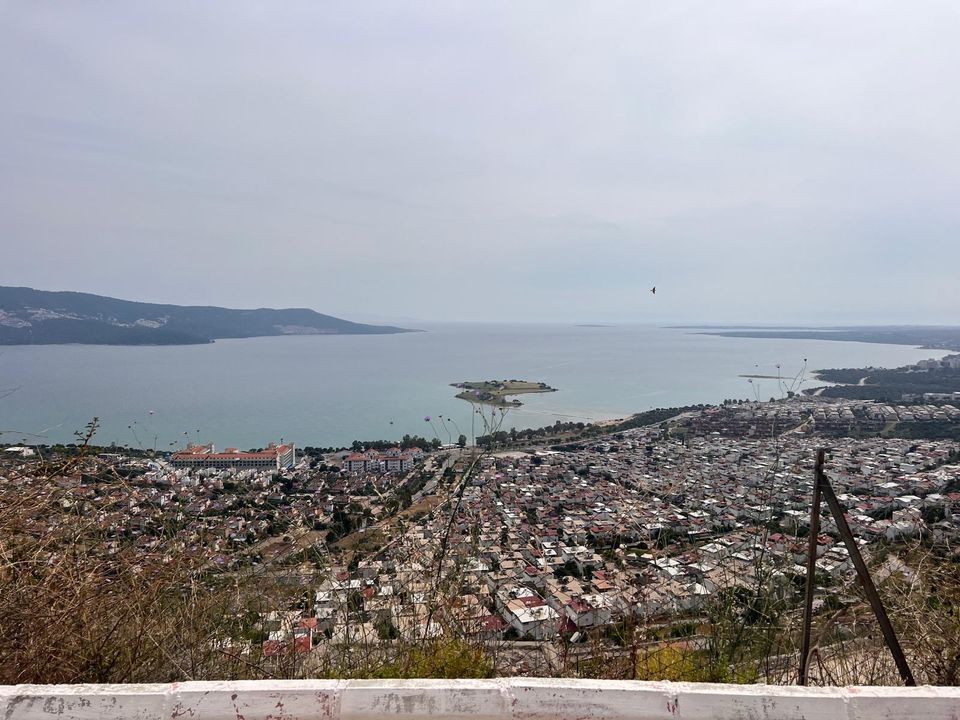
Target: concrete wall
(520,698)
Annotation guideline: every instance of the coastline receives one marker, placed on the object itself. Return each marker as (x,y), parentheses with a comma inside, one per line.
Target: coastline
(321,391)
(925,338)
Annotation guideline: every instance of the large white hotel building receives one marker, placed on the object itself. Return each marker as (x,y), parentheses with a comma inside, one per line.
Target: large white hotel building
(272,457)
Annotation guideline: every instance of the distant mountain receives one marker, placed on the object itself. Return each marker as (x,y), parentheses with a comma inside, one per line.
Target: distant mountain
(38,317)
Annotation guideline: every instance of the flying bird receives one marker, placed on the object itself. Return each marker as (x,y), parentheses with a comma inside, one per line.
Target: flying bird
(654,289)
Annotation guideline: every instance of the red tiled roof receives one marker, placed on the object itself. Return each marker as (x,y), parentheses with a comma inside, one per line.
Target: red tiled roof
(494,622)
(271,648)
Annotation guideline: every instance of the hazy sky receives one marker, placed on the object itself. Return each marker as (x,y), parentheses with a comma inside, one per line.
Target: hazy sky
(757,161)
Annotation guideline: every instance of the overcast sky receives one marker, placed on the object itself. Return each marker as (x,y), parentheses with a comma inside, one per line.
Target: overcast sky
(757,161)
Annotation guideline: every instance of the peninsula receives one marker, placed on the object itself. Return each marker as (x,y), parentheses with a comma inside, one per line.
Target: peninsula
(38,317)
(497,392)
(933,337)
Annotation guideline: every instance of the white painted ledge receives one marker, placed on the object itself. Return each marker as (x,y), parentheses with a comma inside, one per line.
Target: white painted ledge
(515,698)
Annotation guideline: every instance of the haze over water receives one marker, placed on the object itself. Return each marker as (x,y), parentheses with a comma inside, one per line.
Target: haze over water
(331,390)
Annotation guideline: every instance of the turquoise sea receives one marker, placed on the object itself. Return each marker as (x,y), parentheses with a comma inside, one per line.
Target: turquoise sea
(331,390)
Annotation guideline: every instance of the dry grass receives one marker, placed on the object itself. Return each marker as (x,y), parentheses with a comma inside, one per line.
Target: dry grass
(71,612)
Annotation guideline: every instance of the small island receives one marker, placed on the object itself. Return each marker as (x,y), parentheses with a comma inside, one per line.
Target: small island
(497,392)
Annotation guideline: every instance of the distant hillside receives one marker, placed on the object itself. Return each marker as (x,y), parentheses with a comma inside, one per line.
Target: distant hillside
(38,317)
(931,336)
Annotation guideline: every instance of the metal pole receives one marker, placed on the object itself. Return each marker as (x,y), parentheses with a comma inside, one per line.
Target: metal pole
(811,570)
(868,587)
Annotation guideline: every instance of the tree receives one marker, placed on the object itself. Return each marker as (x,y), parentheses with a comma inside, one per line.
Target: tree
(462,440)
(354,601)
(384,626)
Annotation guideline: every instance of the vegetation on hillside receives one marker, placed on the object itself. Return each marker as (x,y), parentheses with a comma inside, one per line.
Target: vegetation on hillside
(81,605)
(888,385)
(37,317)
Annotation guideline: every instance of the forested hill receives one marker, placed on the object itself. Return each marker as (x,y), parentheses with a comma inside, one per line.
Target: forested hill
(38,317)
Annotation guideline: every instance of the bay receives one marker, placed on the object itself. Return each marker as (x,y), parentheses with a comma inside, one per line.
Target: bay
(330,390)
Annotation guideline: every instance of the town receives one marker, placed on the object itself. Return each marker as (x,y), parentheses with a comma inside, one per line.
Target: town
(549,544)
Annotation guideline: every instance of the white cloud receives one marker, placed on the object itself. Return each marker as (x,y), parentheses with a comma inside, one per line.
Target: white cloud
(757,161)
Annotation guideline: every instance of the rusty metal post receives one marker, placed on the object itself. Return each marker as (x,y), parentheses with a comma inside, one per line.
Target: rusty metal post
(811,570)
(870,590)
